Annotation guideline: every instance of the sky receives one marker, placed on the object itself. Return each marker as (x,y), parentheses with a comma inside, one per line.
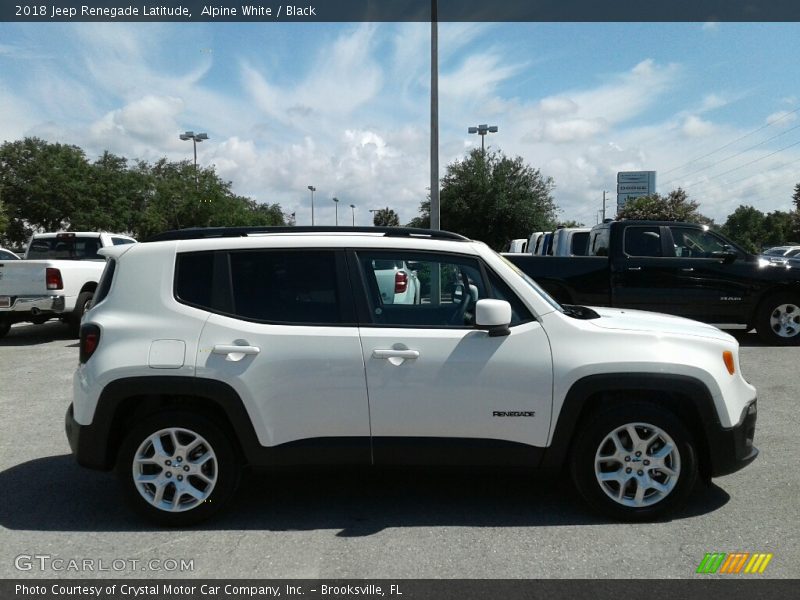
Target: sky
(711,107)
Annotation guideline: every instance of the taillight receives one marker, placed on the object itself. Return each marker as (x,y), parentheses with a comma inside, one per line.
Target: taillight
(400,282)
(53,279)
(90,339)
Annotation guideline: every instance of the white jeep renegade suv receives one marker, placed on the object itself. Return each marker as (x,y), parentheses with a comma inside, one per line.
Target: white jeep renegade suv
(207,350)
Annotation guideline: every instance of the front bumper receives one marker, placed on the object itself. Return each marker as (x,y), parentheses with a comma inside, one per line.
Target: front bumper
(732,449)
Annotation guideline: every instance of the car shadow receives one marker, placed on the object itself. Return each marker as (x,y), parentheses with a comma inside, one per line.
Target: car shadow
(55,494)
(28,334)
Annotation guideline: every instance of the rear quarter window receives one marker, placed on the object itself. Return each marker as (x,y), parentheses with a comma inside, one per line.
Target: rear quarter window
(106,279)
(194,279)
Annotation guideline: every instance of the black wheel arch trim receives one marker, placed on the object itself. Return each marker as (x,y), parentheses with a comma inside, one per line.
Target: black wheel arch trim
(576,407)
(124,399)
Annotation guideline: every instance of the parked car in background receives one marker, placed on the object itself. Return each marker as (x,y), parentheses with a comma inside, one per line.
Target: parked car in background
(571,241)
(57,279)
(782,251)
(682,269)
(397,282)
(7,255)
(533,240)
(783,255)
(518,245)
(544,244)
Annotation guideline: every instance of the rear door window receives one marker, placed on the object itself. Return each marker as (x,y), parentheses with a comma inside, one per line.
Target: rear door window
(642,241)
(291,287)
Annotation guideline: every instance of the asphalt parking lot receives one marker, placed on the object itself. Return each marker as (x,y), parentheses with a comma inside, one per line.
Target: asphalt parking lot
(398,524)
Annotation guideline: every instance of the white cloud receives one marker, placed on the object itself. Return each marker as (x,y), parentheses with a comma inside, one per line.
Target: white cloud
(695,127)
(784,117)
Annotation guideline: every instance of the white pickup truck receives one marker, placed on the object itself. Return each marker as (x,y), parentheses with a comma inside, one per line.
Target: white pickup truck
(57,278)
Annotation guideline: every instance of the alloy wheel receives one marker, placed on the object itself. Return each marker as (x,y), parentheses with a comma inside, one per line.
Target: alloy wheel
(175,469)
(785,320)
(637,465)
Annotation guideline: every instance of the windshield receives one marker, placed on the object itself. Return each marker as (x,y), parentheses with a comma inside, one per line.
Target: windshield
(536,287)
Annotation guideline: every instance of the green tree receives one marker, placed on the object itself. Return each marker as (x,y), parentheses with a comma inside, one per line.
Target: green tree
(493,198)
(119,194)
(44,186)
(175,199)
(570,223)
(755,231)
(385,217)
(675,206)
(796,213)
(779,229)
(3,217)
(746,227)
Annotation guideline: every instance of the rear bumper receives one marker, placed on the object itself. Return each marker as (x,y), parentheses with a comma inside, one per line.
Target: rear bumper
(732,449)
(88,445)
(24,306)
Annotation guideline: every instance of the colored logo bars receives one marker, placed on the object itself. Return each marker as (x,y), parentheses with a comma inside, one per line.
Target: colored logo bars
(738,562)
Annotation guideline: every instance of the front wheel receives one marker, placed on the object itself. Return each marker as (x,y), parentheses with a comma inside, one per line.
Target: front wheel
(177,468)
(635,462)
(778,320)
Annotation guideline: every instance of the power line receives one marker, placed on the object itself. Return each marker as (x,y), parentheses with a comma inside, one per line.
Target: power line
(705,168)
(694,160)
(747,164)
(735,181)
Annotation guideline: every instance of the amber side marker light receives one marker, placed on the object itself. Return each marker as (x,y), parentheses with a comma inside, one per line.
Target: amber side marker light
(727,358)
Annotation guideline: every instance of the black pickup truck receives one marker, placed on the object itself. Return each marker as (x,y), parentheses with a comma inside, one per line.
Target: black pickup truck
(682,269)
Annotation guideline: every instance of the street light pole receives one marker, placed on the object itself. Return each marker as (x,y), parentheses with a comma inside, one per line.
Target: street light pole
(353,209)
(195,137)
(435,205)
(313,189)
(336,204)
(482,130)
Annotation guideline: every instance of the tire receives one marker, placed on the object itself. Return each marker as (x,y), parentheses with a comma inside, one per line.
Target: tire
(639,492)
(81,306)
(189,493)
(778,320)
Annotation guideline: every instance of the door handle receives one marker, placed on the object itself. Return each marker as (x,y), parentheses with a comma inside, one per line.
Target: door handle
(634,269)
(687,269)
(235,353)
(404,354)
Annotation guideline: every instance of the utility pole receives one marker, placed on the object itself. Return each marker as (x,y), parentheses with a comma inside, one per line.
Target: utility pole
(604,205)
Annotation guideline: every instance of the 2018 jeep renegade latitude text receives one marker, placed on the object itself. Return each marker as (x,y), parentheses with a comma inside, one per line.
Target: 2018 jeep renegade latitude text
(209,350)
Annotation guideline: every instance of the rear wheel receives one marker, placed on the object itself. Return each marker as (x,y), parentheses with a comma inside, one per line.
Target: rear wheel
(177,468)
(778,320)
(634,462)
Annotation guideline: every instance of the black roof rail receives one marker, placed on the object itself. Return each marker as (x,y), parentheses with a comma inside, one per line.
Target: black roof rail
(196,233)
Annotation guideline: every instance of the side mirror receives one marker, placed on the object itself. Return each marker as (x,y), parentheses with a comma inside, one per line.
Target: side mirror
(493,316)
